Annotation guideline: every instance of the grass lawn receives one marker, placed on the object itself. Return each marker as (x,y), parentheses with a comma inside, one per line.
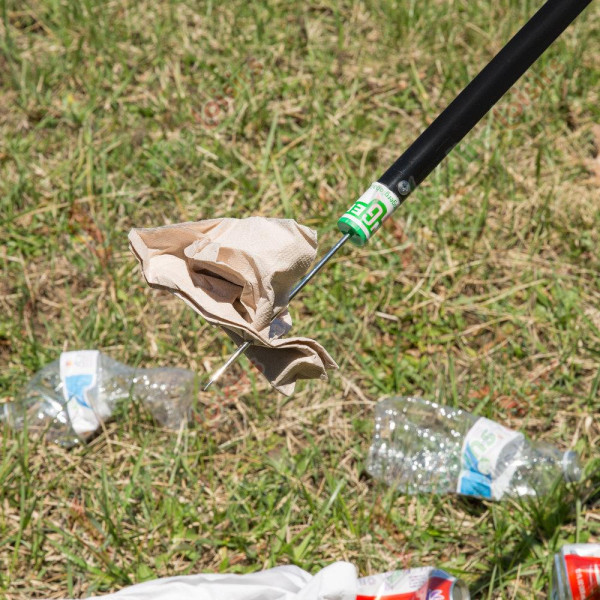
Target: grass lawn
(484,291)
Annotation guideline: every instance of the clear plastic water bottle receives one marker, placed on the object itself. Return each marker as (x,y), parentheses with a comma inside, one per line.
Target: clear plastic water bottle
(421,446)
(68,400)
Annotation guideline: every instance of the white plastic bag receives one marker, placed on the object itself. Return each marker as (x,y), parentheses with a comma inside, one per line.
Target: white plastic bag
(335,582)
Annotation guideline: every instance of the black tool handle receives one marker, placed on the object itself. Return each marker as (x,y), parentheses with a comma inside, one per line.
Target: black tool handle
(480,95)
(385,195)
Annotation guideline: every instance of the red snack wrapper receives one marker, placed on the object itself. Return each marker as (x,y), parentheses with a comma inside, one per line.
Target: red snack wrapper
(424,583)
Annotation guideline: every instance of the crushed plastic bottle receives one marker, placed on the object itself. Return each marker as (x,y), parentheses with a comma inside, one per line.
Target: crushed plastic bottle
(421,446)
(576,573)
(418,583)
(69,399)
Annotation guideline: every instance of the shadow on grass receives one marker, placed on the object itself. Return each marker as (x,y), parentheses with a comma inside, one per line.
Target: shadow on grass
(541,520)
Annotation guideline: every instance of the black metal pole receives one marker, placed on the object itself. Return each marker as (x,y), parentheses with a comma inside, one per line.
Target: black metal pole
(480,95)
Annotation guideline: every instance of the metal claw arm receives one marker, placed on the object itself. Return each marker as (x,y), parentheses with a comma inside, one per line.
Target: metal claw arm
(241,349)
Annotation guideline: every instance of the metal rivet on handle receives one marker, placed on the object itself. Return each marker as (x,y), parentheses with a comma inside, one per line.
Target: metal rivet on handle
(404,188)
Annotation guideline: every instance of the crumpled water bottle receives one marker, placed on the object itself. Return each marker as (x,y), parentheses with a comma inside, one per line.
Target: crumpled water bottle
(68,400)
(421,446)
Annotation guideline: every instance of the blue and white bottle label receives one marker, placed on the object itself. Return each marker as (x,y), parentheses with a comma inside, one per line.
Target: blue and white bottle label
(484,469)
(79,375)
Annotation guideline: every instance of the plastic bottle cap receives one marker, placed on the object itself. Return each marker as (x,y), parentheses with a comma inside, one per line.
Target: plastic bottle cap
(571,468)
(4,412)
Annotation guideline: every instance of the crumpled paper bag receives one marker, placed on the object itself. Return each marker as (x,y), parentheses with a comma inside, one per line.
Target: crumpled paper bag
(238,274)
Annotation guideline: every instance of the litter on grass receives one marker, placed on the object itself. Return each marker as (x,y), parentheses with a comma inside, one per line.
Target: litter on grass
(70,398)
(421,446)
(337,581)
(238,274)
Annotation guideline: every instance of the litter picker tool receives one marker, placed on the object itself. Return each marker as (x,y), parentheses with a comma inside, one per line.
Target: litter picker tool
(384,196)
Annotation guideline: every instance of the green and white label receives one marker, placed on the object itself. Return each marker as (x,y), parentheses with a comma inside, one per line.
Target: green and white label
(79,372)
(488,459)
(368,213)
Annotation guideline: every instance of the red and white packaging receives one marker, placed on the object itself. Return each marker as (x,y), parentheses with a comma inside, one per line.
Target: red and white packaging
(424,583)
(577,573)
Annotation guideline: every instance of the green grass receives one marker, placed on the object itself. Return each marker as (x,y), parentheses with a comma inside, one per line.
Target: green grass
(484,292)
